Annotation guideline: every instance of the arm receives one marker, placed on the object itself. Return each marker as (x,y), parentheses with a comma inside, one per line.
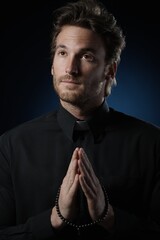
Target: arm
(120,223)
(38,227)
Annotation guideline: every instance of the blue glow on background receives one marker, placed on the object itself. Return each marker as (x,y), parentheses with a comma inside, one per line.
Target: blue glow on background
(137,90)
(26,82)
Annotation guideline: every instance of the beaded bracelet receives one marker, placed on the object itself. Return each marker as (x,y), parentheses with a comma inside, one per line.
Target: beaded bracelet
(78,227)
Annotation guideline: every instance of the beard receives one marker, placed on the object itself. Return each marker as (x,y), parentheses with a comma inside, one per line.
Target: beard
(75,96)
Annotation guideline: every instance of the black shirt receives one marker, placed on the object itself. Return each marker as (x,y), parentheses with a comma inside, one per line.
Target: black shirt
(34,157)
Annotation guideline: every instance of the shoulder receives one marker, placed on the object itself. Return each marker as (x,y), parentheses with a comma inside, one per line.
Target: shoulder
(133,124)
(32,127)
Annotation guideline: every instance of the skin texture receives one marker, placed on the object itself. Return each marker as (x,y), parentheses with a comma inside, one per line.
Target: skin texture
(80,71)
(80,74)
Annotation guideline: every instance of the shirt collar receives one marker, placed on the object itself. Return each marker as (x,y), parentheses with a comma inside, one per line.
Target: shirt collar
(96,123)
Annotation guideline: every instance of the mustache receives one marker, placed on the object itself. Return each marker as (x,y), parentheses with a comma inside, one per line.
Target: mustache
(70,78)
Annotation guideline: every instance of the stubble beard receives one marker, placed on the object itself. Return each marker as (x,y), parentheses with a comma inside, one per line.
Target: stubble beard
(69,95)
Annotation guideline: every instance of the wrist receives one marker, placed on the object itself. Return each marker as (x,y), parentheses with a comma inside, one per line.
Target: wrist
(108,222)
(65,221)
(56,222)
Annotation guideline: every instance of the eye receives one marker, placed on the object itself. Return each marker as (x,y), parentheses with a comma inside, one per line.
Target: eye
(88,57)
(61,53)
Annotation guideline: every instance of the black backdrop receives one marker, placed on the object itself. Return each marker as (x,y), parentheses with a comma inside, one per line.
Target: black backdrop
(25,81)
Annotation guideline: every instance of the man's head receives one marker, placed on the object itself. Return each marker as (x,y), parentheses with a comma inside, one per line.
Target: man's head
(93,16)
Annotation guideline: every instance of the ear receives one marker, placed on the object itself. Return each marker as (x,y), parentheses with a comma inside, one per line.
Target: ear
(110,73)
(110,70)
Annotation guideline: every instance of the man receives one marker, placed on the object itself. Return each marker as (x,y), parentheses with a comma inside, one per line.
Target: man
(84,169)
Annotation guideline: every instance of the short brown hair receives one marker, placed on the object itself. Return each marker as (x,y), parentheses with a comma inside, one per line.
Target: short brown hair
(93,15)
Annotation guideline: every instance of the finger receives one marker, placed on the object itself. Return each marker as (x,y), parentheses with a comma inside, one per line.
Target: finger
(72,170)
(84,158)
(86,167)
(74,158)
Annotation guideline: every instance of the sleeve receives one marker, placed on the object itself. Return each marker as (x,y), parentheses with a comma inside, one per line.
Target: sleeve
(148,226)
(37,227)
(129,226)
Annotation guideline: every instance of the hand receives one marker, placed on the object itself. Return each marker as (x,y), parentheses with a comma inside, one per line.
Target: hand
(80,174)
(90,186)
(67,201)
(93,191)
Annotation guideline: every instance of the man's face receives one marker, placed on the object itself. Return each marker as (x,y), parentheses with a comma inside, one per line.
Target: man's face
(78,67)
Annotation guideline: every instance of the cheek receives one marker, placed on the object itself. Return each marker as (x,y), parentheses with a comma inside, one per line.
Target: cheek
(59,67)
(96,81)
(97,75)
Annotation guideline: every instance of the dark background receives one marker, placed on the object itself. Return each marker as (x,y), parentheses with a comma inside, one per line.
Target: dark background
(25,81)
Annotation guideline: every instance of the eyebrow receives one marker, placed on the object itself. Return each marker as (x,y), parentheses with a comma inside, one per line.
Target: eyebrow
(81,50)
(61,46)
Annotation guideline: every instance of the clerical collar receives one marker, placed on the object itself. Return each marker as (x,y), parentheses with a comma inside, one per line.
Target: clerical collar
(81,125)
(96,123)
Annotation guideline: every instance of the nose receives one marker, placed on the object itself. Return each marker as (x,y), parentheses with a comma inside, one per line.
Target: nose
(72,66)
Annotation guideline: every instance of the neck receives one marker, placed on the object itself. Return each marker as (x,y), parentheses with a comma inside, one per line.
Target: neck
(81,112)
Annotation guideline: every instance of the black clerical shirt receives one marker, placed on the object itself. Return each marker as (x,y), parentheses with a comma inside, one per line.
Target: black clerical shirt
(34,157)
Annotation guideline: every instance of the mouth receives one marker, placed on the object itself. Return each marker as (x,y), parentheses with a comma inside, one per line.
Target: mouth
(69,84)
(69,81)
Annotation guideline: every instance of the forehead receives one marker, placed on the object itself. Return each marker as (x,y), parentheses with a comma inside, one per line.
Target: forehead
(78,37)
